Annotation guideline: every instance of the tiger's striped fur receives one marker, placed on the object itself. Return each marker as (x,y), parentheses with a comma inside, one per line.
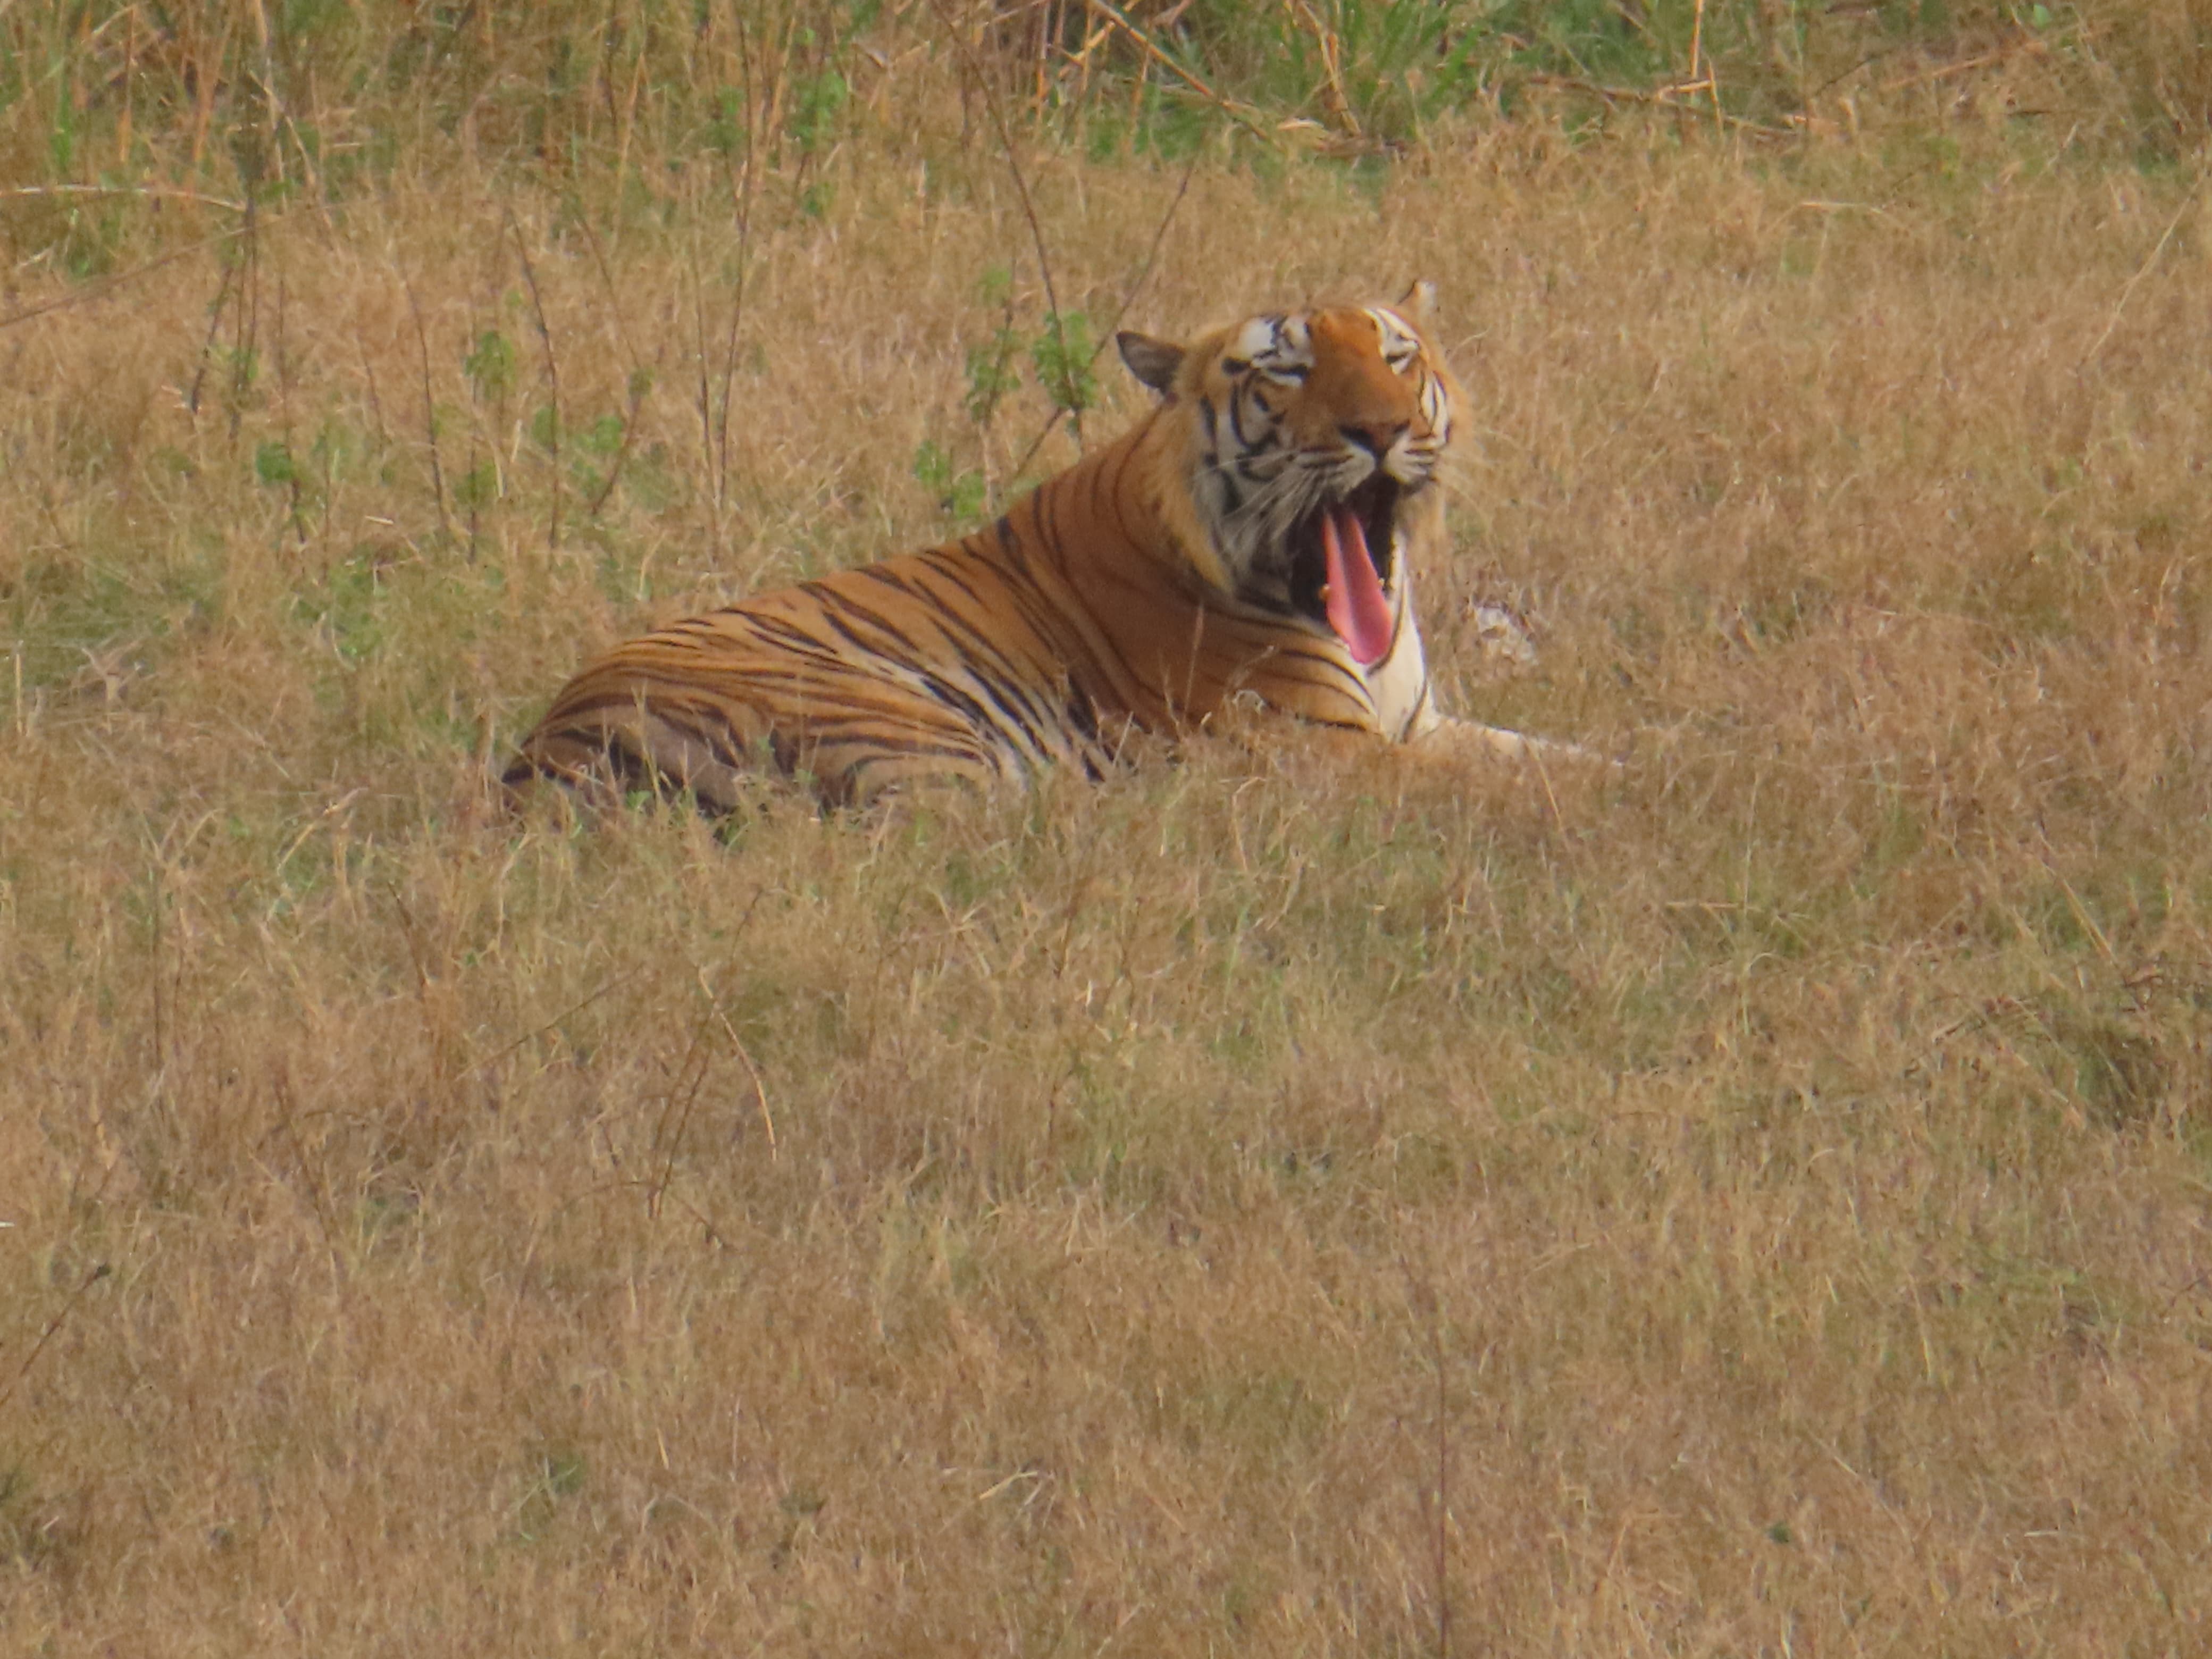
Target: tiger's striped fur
(1163,574)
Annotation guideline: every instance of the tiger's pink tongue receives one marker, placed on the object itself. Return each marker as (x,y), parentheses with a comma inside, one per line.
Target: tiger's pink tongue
(1353,596)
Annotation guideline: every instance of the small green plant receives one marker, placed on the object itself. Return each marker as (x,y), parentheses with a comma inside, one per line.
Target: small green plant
(1062,354)
(477,487)
(821,98)
(599,441)
(276,467)
(990,366)
(557,1473)
(959,492)
(489,366)
(349,604)
(273,464)
(728,129)
(991,374)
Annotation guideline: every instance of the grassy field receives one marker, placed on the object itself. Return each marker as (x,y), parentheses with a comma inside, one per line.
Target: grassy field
(1757,1201)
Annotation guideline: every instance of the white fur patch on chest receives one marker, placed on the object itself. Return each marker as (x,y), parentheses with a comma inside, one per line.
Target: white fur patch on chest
(1399,684)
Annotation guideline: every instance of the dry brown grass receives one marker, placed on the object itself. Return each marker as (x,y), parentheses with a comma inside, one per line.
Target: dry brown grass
(1758,1203)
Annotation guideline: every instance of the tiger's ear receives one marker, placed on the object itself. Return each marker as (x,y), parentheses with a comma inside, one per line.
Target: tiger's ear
(1153,362)
(1420,303)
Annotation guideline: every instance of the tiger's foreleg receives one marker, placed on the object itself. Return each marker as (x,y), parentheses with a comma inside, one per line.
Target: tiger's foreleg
(1443,741)
(1456,739)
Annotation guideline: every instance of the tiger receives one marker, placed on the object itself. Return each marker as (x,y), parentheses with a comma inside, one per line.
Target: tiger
(1248,543)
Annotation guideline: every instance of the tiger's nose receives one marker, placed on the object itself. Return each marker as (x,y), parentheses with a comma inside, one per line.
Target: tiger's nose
(1376,437)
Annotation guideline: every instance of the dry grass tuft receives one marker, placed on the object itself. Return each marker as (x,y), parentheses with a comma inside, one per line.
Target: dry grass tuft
(1753,1203)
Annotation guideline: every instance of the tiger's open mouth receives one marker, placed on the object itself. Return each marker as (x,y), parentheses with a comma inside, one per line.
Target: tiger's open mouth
(1341,558)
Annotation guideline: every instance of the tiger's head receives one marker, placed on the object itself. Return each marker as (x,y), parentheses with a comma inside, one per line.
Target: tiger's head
(1312,440)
